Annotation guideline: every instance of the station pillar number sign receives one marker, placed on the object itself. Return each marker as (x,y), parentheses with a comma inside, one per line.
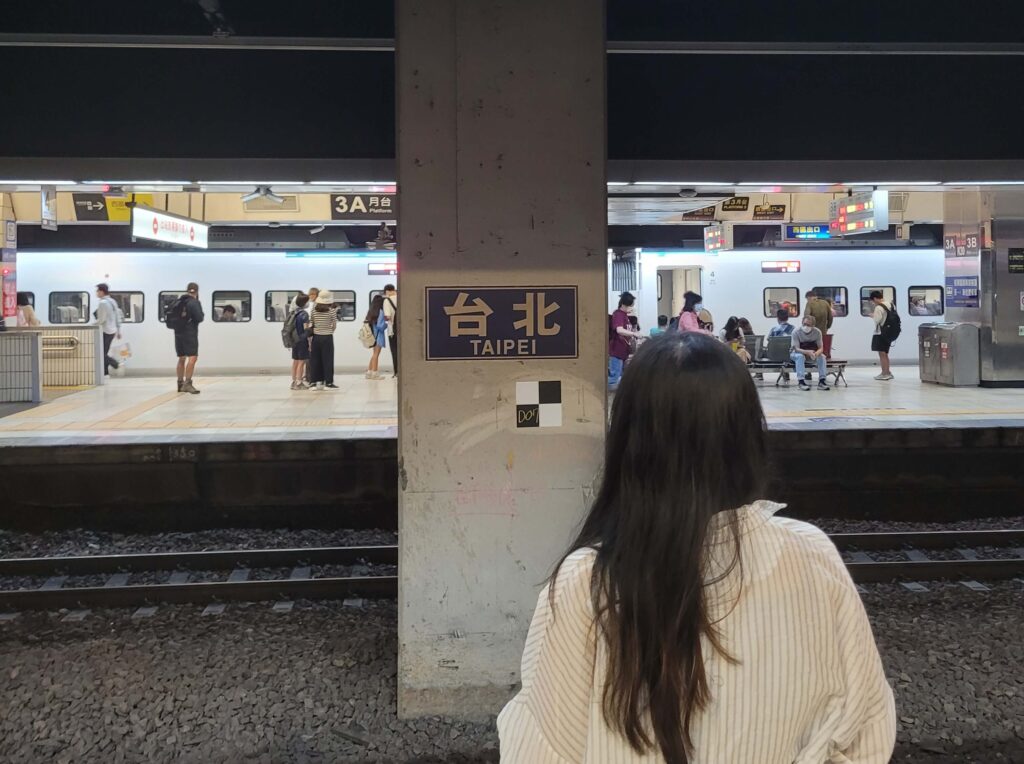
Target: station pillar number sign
(501,323)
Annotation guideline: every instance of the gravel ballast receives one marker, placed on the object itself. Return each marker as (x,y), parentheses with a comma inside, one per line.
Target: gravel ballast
(318,684)
(68,543)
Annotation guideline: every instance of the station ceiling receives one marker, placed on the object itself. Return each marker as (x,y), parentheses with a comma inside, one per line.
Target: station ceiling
(793,21)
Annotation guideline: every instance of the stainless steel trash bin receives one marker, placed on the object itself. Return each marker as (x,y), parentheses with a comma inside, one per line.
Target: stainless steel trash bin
(955,348)
(928,352)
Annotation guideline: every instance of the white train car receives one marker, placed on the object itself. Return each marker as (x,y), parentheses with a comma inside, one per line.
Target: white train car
(755,283)
(259,285)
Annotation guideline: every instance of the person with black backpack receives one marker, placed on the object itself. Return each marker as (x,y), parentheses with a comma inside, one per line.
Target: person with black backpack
(295,335)
(887,329)
(183,317)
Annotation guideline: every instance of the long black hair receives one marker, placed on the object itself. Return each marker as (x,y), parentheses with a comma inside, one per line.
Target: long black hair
(732,328)
(686,442)
(690,301)
(376,306)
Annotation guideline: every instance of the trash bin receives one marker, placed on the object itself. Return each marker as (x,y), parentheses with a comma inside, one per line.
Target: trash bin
(953,354)
(928,352)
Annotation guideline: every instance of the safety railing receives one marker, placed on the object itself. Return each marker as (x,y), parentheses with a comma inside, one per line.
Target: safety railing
(21,363)
(72,355)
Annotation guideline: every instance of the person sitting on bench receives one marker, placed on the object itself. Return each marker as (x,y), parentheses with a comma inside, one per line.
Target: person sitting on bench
(808,344)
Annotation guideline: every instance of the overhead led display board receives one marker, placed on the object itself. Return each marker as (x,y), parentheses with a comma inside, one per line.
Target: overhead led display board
(859,213)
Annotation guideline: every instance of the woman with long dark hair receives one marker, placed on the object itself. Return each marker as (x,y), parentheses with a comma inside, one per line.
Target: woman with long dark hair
(378,325)
(687,622)
(689,316)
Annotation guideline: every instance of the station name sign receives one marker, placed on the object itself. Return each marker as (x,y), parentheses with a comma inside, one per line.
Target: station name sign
(171,229)
(369,206)
(501,323)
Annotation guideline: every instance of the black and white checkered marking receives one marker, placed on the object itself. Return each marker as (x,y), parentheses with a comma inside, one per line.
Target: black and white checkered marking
(539,404)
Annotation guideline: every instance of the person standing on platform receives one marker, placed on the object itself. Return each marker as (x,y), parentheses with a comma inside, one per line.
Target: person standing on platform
(26,315)
(391,315)
(687,621)
(300,343)
(321,350)
(184,317)
(378,326)
(881,343)
(619,335)
(108,318)
(821,309)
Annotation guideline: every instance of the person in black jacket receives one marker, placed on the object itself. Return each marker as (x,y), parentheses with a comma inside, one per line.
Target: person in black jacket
(186,338)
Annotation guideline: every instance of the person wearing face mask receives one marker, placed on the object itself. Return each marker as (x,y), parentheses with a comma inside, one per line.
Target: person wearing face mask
(619,335)
(689,317)
(808,345)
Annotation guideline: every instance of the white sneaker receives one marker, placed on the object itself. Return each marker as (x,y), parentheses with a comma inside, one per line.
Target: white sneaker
(301,386)
(884,377)
(295,385)
(369,374)
(319,386)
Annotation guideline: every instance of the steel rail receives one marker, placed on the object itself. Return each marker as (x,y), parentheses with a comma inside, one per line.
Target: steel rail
(203,592)
(928,539)
(876,572)
(213,560)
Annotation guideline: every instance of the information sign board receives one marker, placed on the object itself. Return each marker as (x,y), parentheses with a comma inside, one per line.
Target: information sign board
(501,323)
(171,229)
(859,213)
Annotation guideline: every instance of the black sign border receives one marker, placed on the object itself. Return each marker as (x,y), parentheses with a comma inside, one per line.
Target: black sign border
(426,325)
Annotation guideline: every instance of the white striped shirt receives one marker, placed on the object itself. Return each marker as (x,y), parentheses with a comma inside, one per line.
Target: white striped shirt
(324,322)
(808,686)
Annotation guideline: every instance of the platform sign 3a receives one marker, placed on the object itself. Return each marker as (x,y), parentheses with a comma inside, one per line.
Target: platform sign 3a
(501,323)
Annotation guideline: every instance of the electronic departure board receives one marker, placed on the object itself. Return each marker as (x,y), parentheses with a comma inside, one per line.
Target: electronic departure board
(859,213)
(714,237)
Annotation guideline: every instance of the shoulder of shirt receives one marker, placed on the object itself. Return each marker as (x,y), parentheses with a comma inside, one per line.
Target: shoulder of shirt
(572,583)
(812,543)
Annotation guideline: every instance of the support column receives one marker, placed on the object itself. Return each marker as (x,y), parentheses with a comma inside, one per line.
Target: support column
(501,171)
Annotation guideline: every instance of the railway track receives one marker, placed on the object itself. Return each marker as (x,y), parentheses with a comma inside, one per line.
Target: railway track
(962,561)
(238,586)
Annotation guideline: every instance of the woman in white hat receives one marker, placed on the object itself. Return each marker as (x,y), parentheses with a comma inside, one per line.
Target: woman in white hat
(321,356)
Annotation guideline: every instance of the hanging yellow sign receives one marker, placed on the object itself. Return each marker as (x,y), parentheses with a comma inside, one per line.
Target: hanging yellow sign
(118,209)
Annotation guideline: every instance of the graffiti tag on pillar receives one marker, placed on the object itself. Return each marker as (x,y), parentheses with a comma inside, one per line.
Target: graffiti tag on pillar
(501,323)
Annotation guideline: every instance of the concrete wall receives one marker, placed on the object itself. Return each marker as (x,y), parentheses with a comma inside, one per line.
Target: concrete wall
(501,148)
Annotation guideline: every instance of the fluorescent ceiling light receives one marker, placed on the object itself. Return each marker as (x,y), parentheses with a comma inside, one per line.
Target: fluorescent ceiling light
(352,183)
(790,183)
(618,183)
(891,183)
(680,183)
(984,183)
(251,183)
(37,183)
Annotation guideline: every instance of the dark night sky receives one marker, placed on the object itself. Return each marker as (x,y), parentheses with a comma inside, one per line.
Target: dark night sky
(87,102)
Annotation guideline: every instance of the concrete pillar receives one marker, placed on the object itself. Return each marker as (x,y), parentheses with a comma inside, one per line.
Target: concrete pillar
(501,170)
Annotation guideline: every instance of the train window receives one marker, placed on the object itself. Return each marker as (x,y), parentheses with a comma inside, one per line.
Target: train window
(69,307)
(231,307)
(132,305)
(781,297)
(837,296)
(345,299)
(166,300)
(925,301)
(276,304)
(867,308)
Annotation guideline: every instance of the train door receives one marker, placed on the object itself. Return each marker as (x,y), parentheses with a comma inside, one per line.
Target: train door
(673,283)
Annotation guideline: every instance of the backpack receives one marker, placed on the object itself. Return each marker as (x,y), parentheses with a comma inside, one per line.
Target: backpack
(366,335)
(289,334)
(891,327)
(176,316)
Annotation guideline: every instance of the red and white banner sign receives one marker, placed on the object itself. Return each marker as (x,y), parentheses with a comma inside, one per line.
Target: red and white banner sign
(160,226)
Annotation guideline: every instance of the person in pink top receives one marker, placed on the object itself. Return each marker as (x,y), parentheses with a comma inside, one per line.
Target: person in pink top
(688,320)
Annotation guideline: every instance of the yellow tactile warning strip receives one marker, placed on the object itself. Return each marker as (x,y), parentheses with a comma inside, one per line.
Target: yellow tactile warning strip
(187,424)
(141,408)
(804,414)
